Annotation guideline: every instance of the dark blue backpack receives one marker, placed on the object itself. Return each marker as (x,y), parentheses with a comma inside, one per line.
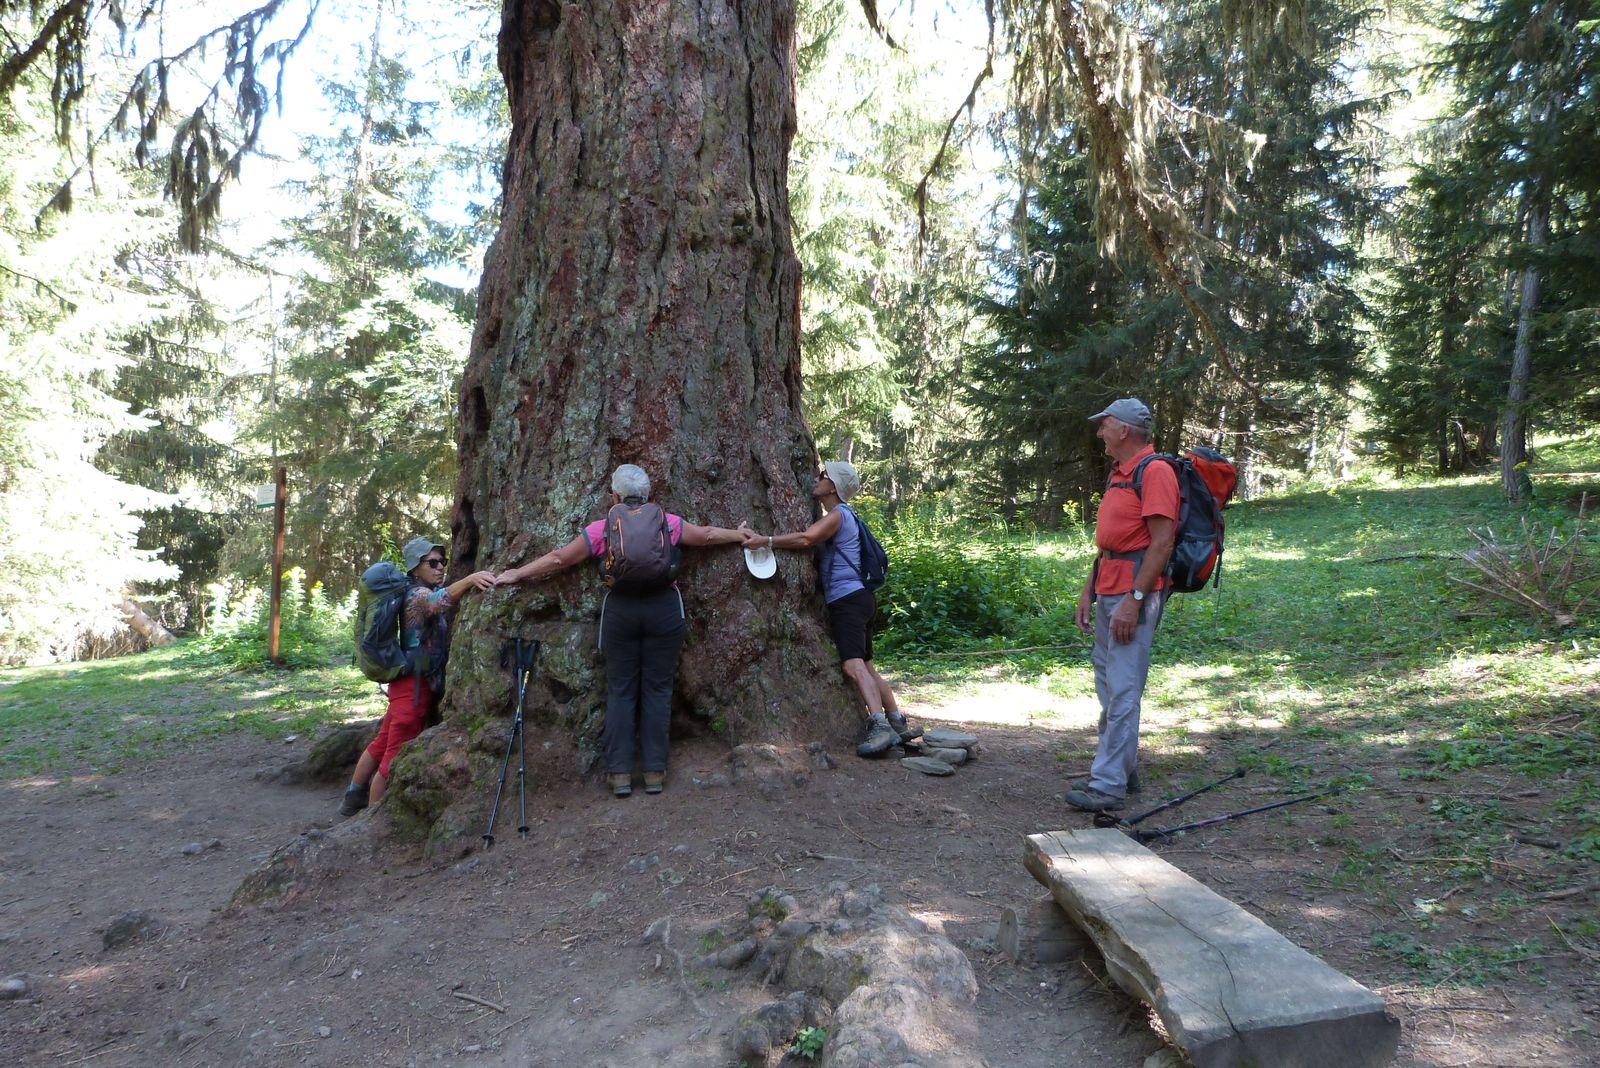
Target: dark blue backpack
(874,568)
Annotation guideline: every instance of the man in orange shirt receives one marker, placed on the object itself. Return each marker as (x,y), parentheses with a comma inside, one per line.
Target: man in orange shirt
(1121,602)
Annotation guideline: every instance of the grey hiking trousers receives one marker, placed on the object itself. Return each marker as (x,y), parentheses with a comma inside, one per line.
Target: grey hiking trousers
(1119,677)
(639,639)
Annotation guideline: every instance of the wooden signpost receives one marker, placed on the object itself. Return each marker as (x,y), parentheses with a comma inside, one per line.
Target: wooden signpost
(279,497)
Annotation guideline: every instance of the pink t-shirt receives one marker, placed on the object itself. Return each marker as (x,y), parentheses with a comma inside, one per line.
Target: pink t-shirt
(596,533)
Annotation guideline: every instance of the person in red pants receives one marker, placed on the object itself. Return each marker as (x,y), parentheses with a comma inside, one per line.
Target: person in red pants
(411,697)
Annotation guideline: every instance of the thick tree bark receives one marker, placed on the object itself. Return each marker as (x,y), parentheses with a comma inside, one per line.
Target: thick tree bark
(640,305)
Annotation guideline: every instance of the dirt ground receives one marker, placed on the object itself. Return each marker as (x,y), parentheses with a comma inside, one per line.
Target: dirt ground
(370,968)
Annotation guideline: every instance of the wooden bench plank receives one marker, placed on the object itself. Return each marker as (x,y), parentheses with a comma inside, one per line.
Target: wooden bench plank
(1232,992)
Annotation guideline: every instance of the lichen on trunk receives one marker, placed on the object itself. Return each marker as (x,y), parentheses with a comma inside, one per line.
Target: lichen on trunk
(641,305)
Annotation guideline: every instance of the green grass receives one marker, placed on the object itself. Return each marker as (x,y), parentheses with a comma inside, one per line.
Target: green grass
(1338,632)
(105,714)
(1316,627)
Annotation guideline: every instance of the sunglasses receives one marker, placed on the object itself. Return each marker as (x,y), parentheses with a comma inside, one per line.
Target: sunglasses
(434,561)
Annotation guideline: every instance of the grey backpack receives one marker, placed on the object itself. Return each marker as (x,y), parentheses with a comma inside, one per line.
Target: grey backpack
(639,557)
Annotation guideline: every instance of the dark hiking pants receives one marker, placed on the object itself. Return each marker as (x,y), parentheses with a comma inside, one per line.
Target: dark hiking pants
(640,638)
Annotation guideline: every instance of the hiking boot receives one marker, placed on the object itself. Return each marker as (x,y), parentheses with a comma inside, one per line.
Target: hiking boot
(880,736)
(654,781)
(1134,785)
(355,799)
(902,726)
(621,784)
(1091,800)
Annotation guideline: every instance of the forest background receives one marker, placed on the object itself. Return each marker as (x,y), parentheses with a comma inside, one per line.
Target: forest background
(1395,234)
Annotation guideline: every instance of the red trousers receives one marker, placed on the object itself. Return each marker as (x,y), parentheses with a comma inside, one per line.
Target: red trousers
(410,701)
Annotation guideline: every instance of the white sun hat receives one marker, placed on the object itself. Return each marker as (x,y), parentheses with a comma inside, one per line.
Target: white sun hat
(762,562)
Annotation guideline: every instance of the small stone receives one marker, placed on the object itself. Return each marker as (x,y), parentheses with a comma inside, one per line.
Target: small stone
(927,765)
(954,757)
(474,1048)
(215,843)
(324,1032)
(710,782)
(13,988)
(193,849)
(857,906)
(600,897)
(945,738)
(290,738)
(680,850)
(466,866)
(640,865)
(132,927)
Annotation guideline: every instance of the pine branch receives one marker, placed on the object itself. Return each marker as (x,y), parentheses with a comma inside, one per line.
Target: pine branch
(16,65)
(42,284)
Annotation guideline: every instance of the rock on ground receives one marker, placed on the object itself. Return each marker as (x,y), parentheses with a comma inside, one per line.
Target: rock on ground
(132,927)
(313,857)
(927,765)
(898,991)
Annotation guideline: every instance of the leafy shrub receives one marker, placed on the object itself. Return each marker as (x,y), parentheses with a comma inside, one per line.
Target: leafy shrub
(313,629)
(952,581)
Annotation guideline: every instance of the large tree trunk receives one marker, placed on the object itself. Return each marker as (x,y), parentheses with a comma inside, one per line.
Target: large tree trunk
(640,305)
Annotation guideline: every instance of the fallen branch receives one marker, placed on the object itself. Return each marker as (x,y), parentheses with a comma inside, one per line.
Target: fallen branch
(476,1000)
(1566,892)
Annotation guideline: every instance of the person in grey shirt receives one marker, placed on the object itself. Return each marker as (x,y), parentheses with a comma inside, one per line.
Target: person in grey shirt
(850,605)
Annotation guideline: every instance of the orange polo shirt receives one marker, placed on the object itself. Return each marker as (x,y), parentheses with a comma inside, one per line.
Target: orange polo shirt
(1120,525)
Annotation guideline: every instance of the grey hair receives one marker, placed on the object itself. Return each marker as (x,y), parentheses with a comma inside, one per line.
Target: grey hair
(630,481)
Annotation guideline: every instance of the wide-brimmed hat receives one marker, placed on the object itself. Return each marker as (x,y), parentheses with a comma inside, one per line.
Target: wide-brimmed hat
(414,550)
(761,562)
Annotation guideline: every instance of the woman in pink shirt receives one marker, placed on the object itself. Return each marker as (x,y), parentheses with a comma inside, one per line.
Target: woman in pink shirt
(642,622)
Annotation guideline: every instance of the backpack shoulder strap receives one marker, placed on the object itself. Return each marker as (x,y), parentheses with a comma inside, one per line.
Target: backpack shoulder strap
(1138,472)
(1137,484)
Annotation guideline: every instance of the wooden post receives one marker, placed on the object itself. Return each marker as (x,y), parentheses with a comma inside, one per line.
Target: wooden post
(277,561)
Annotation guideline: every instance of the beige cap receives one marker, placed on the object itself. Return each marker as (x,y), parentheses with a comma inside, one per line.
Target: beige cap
(845,480)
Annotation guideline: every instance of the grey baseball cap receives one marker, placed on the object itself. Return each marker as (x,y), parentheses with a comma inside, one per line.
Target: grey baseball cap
(1130,410)
(414,550)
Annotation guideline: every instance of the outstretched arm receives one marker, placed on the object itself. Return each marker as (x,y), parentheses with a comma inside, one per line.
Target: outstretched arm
(699,536)
(815,534)
(573,552)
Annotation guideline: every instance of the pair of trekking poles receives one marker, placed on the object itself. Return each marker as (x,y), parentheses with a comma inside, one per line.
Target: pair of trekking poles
(520,656)
(1129,825)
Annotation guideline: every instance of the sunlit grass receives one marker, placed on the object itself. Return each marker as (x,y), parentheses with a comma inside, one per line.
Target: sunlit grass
(103,715)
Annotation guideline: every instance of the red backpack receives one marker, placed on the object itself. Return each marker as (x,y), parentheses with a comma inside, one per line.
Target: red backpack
(1206,481)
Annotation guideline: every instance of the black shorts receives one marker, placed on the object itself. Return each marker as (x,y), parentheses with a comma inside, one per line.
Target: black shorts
(850,621)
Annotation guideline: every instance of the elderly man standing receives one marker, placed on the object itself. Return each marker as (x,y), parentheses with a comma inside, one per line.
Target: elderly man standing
(1122,599)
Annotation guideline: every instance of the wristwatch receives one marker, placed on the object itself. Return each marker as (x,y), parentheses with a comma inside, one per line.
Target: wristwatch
(1138,595)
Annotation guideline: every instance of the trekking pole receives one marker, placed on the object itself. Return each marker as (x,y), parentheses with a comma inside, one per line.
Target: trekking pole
(1105,819)
(521,730)
(1150,836)
(511,743)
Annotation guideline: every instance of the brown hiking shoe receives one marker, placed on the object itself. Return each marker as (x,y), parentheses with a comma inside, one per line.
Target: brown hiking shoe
(902,726)
(654,781)
(621,784)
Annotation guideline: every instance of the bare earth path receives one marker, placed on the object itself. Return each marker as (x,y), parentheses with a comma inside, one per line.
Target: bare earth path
(367,969)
